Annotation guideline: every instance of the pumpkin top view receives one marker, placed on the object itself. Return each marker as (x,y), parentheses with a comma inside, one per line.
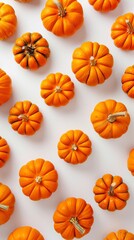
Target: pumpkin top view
(5,87)
(121,234)
(104,5)
(127,81)
(25,233)
(4,152)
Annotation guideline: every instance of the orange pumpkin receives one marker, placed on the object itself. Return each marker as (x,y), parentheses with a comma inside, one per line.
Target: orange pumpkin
(8,21)
(110,119)
(25,233)
(25,118)
(31,50)
(5,87)
(38,179)
(74,147)
(57,89)
(104,5)
(130,161)
(122,31)
(119,235)
(62,18)
(92,63)
(111,193)
(4,152)
(128,81)
(7,201)
(73,218)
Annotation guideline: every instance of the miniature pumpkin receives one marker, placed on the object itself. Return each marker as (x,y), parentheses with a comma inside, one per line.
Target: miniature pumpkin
(92,63)
(4,152)
(25,233)
(38,179)
(104,5)
(7,201)
(31,50)
(130,161)
(73,218)
(128,81)
(8,21)
(119,235)
(62,18)
(122,32)
(5,87)
(111,193)
(110,119)
(57,89)
(74,147)
(25,118)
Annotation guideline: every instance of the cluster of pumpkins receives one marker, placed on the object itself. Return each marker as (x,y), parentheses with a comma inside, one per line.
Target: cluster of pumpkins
(92,64)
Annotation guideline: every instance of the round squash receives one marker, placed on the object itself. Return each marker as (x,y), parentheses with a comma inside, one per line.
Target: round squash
(119,235)
(57,89)
(62,18)
(31,50)
(92,63)
(5,87)
(7,201)
(110,119)
(8,21)
(104,5)
(130,161)
(25,118)
(74,147)
(73,218)
(4,152)
(111,193)
(25,233)
(122,31)
(128,81)
(38,179)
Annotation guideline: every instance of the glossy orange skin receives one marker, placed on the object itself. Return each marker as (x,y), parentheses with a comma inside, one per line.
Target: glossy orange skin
(82,67)
(8,21)
(118,200)
(41,188)
(6,198)
(32,114)
(5,87)
(31,50)
(130,161)
(119,235)
(66,143)
(4,152)
(104,5)
(60,97)
(99,119)
(62,26)
(25,233)
(127,81)
(121,34)
(73,207)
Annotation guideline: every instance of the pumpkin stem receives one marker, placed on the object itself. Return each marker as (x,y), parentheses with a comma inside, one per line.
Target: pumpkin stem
(38,179)
(74,147)
(29,49)
(62,11)
(4,207)
(92,61)
(112,117)
(130,27)
(74,221)
(23,117)
(111,189)
(58,89)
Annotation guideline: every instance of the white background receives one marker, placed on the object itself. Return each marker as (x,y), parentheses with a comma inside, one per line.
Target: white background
(108,156)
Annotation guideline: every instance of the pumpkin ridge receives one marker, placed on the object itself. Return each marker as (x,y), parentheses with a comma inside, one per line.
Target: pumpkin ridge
(3,199)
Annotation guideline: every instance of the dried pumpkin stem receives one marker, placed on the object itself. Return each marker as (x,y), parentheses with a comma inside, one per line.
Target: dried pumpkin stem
(74,147)
(23,117)
(130,27)
(62,11)
(58,89)
(92,61)
(29,49)
(112,117)
(111,189)
(4,207)
(38,179)
(74,221)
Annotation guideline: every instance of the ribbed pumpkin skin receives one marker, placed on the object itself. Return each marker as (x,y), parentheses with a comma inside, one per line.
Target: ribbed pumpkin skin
(5,87)
(8,21)
(121,234)
(130,161)
(128,81)
(6,198)
(104,5)
(77,209)
(4,152)
(25,233)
